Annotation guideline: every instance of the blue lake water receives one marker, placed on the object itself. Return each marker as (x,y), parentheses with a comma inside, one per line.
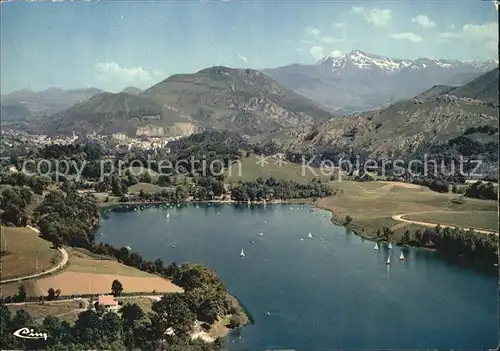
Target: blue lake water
(329,292)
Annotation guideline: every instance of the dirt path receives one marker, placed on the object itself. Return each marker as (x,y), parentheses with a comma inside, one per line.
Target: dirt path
(41,274)
(429,224)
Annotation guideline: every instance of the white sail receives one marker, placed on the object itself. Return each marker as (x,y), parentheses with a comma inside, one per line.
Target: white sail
(390,246)
(168,215)
(242,254)
(309,235)
(388,260)
(375,247)
(401,257)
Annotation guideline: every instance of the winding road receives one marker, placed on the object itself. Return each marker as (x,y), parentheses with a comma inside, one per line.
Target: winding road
(433,225)
(60,265)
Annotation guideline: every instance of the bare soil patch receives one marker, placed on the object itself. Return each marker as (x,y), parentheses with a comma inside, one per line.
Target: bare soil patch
(72,283)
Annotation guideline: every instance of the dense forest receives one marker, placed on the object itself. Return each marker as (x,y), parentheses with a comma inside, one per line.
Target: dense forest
(97,329)
(277,189)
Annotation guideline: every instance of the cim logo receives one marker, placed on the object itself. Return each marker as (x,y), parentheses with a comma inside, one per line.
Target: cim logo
(27,333)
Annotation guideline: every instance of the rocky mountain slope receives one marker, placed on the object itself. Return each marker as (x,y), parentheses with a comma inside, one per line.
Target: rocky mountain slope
(360,81)
(112,113)
(132,90)
(439,114)
(245,101)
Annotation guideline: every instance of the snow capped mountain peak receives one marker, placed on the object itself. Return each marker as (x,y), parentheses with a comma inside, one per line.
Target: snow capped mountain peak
(357,59)
(363,60)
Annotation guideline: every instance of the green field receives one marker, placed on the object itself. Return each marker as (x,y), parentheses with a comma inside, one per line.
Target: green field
(487,220)
(372,204)
(27,253)
(145,303)
(249,168)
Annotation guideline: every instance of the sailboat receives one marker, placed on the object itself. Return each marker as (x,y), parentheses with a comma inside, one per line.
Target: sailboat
(390,246)
(388,260)
(168,215)
(310,235)
(375,247)
(242,254)
(401,257)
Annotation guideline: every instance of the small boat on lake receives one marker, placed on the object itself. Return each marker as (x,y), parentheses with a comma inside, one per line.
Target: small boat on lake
(390,246)
(401,256)
(168,215)
(388,260)
(242,254)
(261,234)
(310,235)
(375,247)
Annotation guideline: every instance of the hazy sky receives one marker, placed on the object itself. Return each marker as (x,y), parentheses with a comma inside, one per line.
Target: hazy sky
(113,44)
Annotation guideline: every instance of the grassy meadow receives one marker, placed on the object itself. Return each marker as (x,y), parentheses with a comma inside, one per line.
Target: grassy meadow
(27,253)
(371,205)
(251,169)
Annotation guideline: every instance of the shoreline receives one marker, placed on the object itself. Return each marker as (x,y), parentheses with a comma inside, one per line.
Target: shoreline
(369,238)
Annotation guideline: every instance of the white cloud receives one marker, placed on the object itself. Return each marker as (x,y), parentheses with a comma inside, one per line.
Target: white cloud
(242,58)
(480,31)
(112,72)
(335,53)
(157,72)
(375,16)
(356,9)
(313,31)
(424,21)
(407,36)
(328,40)
(318,52)
(338,25)
(379,17)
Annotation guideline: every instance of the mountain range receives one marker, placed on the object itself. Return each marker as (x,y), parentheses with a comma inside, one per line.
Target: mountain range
(26,103)
(415,101)
(436,115)
(242,100)
(359,81)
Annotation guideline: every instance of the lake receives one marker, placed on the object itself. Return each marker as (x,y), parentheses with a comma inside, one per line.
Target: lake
(332,291)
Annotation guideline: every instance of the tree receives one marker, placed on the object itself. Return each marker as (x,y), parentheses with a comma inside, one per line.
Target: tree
(55,240)
(131,313)
(116,287)
(21,293)
(7,339)
(51,294)
(175,310)
(418,236)
(159,265)
(406,239)
(145,177)
(113,326)
(348,219)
